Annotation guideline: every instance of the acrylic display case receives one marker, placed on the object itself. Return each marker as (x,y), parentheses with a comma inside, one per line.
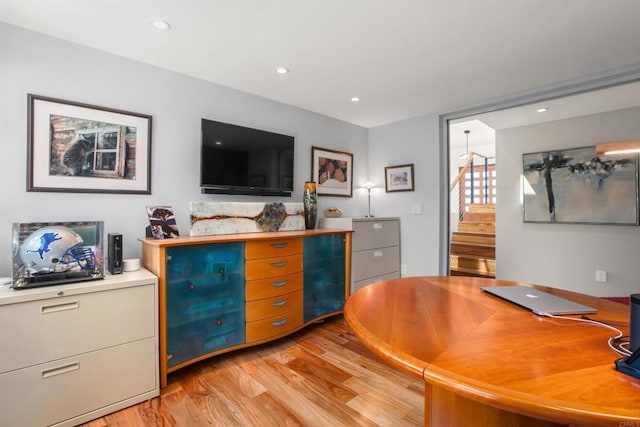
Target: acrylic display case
(53,253)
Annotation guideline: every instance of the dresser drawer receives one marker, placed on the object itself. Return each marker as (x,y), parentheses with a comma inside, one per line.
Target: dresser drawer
(273,326)
(375,234)
(271,287)
(274,306)
(374,262)
(57,391)
(273,267)
(273,248)
(43,330)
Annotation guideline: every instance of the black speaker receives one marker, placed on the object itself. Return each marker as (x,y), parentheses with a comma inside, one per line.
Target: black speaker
(634,324)
(114,256)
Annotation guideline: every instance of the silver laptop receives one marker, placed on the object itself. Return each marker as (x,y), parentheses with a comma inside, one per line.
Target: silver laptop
(537,301)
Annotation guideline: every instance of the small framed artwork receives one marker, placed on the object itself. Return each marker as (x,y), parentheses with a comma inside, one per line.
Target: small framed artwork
(163,222)
(81,148)
(332,171)
(398,178)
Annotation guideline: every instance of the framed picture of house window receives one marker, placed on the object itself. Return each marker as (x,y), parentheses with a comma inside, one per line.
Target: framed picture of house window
(81,148)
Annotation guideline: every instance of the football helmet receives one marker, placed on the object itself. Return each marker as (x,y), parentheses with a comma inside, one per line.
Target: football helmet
(56,248)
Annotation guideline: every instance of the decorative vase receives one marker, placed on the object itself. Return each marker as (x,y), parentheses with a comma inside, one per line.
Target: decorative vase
(310,201)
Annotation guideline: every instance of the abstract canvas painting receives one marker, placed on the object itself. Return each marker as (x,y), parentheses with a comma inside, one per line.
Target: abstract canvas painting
(578,186)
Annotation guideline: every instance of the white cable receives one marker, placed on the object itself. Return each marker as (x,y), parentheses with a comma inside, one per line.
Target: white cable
(622,350)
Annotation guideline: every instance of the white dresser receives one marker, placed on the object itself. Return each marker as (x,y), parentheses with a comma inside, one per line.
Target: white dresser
(375,249)
(75,352)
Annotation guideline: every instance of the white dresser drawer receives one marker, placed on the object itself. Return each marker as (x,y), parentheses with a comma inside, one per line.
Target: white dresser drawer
(374,262)
(57,391)
(49,329)
(375,234)
(362,283)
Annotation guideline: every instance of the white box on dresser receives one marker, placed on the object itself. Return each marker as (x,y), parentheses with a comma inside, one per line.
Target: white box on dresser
(75,352)
(375,248)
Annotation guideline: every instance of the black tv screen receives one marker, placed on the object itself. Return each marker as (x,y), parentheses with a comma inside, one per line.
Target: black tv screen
(241,160)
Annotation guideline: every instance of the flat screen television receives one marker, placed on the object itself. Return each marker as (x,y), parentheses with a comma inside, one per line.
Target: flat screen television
(240,160)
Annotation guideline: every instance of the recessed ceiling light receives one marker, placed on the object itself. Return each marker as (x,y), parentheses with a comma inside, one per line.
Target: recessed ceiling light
(282,70)
(355,99)
(542,110)
(161,25)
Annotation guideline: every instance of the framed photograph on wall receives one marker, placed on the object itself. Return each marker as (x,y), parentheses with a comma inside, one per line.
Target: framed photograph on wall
(332,171)
(578,186)
(398,178)
(81,148)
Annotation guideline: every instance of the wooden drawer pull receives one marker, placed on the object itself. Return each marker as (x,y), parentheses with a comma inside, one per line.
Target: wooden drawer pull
(47,373)
(280,264)
(279,303)
(280,245)
(59,307)
(279,322)
(279,284)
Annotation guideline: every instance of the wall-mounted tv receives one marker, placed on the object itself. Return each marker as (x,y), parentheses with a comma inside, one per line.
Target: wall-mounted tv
(241,160)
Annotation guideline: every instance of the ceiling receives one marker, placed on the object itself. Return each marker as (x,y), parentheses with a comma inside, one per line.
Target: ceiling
(482,126)
(402,58)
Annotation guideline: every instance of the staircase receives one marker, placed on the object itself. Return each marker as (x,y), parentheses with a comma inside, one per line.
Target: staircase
(473,246)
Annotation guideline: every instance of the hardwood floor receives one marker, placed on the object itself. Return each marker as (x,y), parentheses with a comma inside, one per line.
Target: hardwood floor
(320,376)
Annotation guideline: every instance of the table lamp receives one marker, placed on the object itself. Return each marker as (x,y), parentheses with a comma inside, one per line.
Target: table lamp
(369,185)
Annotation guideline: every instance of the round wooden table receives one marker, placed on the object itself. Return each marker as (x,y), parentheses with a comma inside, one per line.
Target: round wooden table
(487,362)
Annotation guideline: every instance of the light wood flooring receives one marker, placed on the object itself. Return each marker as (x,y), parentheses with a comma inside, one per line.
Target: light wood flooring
(320,376)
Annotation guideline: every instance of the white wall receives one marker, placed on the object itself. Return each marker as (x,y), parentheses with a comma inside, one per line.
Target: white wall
(41,65)
(563,255)
(411,141)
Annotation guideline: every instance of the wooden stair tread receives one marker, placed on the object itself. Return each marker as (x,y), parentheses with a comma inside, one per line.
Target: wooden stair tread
(480,216)
(485,227)
(473,237)
(482,207)
(476,249)
(470,263)
(457,271)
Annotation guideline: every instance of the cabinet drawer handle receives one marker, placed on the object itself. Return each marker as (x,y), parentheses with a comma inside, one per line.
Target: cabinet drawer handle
(59,307)
(280,245)
(279,284)
(377,254)
(279,322)
(280,264)
(47,373)
(191,287)
(279,303)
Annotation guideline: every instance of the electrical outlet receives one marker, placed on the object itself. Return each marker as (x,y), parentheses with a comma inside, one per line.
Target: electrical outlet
(601,276)
(403,269)
(416,208)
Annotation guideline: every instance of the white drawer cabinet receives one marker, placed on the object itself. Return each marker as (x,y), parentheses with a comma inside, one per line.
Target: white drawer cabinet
(72,353)
(375,249)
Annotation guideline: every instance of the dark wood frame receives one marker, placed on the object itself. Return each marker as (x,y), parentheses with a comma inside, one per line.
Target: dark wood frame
(390,169)
(316,152)
(39,148)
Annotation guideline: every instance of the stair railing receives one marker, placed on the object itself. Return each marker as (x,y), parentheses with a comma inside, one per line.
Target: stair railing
(469,167)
